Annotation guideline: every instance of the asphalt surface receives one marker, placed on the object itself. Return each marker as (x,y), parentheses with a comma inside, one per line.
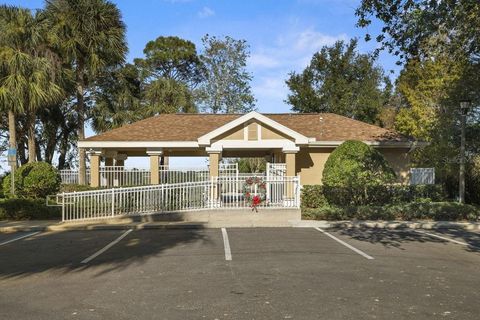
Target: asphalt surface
(275,273)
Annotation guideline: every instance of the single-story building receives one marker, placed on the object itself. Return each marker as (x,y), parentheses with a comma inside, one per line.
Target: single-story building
(302,141)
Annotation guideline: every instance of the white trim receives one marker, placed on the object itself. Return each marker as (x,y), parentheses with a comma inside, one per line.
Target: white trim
(290,149)
(194,144)
(206,139)
(138,144)
(155,152)
(253,144)
(379,144)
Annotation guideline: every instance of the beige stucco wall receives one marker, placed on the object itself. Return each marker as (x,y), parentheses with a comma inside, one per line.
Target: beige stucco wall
(271,134)
(400,162)
(266,133)
(310,163)
(234,134)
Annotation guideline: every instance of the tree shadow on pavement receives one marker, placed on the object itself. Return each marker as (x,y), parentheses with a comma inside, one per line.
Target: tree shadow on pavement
(395,238)
(63,252)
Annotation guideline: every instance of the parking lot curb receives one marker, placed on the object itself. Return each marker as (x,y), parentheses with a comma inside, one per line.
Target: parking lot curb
(139,226)
(470,226)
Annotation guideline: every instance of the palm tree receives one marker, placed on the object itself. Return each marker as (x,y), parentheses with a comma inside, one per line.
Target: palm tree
(91,34)
(27,71)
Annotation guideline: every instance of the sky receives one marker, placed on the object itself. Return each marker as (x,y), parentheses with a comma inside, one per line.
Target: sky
(282,35)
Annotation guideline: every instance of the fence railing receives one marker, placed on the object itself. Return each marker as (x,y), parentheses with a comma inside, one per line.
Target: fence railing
(70,176)
(218,192)
(119,176)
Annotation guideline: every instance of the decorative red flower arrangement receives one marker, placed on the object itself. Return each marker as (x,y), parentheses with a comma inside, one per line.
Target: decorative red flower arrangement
(254,191)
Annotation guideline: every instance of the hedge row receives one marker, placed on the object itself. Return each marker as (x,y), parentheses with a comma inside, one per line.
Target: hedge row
(438,211)
(28,209)
(315,196)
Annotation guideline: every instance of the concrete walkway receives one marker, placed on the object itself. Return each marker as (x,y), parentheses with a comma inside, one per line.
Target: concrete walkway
(138,224)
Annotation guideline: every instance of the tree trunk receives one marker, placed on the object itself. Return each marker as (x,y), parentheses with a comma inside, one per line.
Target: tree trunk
(12,134)
(81,124)
(32,150)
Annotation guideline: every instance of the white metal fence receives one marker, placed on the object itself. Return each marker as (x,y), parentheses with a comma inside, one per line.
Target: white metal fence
(221,192)
(119,176)
(70,176)
(422,176)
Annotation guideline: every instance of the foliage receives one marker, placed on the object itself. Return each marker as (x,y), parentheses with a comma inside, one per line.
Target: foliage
(90,35)
(354,163)
(168,96)
(431,90)
(418,28)
(472,188)
(425,87)
(250,165)
(28,209)
(340,80)
(382,194)
(312,196)
(27,69)
(118,99)
(438,211)
(315,196)
(34,180)
(226,88)
(169,72)
(171,58)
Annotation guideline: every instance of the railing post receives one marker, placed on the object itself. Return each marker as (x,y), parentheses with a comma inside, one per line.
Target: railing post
(113,202)
(63,206)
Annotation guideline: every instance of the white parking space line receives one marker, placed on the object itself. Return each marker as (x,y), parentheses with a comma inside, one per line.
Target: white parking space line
(226,245)
(19,238)
(108,246)
(363,254)
(443,238)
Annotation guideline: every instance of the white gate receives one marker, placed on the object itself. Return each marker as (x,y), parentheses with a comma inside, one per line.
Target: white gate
(275,171)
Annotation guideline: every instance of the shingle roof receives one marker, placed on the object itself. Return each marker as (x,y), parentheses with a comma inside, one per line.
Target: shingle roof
(189,127)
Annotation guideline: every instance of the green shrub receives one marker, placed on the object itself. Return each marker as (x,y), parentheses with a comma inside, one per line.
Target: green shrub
(33,180)
(438,211)
(313,196)
(28,209)
(352,169)
(6,185)
(382,194)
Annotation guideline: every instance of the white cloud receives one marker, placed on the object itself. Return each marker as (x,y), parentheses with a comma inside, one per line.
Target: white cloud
(206,12)
(262,60)
(311,40)
(271,63)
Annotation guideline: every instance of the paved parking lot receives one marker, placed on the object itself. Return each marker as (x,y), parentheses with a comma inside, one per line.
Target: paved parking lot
(258,273)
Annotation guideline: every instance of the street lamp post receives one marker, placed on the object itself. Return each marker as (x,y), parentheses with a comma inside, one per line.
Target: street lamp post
(464,105)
